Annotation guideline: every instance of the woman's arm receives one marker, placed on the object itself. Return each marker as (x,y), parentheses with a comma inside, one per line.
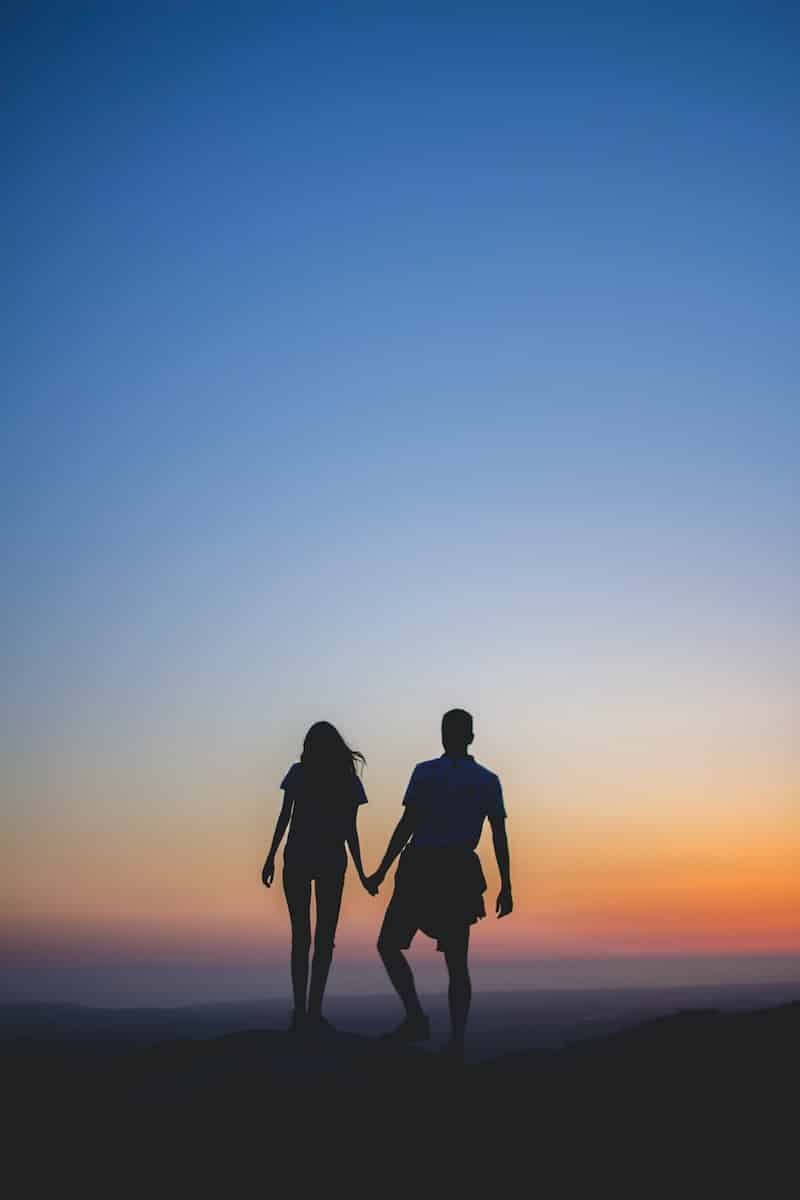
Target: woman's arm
(355,851)
(268,873)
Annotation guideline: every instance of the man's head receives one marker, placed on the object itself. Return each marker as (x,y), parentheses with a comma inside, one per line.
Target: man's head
(457,733)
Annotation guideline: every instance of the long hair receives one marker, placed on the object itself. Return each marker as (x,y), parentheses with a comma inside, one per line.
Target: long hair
(327,755)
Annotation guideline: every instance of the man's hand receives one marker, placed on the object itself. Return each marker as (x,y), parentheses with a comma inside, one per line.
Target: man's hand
(268,873)
(505,904)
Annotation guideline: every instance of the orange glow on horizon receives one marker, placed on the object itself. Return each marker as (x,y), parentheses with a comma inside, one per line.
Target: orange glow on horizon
(665,877)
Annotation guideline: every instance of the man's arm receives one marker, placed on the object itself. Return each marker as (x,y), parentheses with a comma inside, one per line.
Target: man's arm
(397,842)
(505,903)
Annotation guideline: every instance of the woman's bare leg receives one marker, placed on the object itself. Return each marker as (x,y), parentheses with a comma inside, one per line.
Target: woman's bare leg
(297,888)
(328,889)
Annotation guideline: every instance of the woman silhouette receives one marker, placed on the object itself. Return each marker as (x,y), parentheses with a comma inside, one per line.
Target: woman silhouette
(322,794)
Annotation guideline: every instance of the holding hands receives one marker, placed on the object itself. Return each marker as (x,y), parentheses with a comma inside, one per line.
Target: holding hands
(372,882)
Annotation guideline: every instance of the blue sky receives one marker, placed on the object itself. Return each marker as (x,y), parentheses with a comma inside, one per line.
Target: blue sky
(368,359)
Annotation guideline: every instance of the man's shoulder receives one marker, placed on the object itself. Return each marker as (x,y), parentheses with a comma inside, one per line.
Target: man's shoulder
(433,767)
(428,766)
(487,777)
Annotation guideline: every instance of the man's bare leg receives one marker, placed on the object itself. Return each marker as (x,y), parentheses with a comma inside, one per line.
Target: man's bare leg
(459,992)
(416,1026)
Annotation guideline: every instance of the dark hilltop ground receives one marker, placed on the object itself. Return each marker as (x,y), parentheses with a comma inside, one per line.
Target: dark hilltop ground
(700,1100)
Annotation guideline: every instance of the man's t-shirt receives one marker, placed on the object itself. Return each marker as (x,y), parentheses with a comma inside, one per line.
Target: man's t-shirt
(450,798)
(322,814)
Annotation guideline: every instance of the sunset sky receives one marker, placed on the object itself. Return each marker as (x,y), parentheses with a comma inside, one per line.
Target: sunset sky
(367,360)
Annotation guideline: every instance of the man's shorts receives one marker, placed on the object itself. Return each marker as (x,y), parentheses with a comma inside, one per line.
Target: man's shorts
(436,889)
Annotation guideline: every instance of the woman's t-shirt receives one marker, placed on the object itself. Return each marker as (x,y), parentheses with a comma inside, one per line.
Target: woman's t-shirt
(322,814)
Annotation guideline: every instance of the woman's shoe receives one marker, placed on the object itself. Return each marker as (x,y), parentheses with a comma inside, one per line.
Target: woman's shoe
(297,1021)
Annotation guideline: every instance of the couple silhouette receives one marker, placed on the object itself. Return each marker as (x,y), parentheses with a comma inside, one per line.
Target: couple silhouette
(438,884)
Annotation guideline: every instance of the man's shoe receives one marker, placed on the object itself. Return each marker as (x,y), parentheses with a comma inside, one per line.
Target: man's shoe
(452,1053)
(413,1029)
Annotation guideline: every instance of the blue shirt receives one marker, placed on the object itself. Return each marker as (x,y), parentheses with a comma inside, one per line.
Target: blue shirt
(450,798)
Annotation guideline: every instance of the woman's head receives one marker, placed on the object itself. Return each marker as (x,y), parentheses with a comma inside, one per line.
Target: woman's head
(324,749)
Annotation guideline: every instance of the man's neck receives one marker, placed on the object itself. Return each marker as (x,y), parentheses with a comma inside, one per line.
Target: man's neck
(458,753)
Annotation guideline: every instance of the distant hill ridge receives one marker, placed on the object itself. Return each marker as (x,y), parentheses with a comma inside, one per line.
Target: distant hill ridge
(699,1084)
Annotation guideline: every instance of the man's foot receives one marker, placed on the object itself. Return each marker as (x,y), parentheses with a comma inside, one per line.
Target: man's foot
(453,1053)
(413,1029)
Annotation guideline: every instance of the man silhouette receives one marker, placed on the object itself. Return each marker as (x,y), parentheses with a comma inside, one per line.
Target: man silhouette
(439,883)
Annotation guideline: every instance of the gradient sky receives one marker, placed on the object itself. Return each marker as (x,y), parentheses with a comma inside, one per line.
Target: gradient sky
(366,360)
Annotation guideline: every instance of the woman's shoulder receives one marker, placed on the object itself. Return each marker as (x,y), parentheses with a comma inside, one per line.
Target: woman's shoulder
(292,776)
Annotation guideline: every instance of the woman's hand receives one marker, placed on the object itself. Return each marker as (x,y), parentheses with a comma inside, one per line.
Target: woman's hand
(373,882)
(268,873)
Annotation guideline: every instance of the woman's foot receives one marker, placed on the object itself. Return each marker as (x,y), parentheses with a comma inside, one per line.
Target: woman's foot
(318,1024)
(297,1021)
(412,1029)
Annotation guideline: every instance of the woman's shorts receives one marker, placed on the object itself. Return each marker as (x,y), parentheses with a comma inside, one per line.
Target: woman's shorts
(329,867)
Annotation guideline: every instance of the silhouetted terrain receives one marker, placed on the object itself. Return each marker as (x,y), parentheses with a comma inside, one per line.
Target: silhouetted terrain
(500,1022)
(700,1089)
